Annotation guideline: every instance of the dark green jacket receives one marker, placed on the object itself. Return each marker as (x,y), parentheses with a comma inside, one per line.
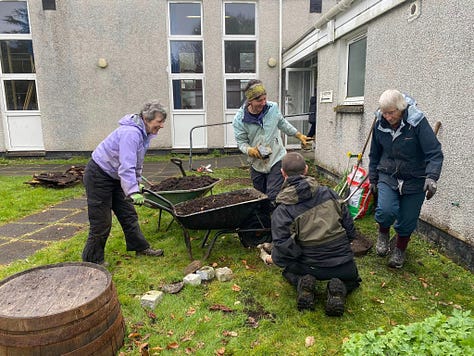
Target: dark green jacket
(311,225)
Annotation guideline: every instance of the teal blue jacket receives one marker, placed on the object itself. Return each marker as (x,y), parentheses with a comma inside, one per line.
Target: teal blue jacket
(265,130)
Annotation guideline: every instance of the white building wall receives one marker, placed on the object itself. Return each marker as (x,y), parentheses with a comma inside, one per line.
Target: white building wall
(429,58)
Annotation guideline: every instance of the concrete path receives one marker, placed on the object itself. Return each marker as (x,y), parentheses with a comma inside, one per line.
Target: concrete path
(21,238)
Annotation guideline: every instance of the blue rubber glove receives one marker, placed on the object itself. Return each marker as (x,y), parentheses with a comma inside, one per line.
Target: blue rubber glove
(137,199)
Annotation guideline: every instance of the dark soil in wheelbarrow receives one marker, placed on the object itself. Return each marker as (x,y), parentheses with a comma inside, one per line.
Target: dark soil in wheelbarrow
(183,183)
(215,201)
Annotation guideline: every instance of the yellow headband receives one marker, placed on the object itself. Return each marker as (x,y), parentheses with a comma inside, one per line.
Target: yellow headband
(255,91)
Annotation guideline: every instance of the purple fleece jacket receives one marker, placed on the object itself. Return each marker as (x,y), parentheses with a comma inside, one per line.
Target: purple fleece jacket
(121,154)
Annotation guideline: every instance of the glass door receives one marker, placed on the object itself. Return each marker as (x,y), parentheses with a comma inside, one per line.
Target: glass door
(298,91)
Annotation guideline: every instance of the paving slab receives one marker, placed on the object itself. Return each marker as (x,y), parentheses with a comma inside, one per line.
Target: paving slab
(46,216)
(78,218)
(15,230)
(78,203)
(18,250)
(55,232)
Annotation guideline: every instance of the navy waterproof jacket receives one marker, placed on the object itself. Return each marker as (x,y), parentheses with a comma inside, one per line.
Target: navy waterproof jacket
(405,157)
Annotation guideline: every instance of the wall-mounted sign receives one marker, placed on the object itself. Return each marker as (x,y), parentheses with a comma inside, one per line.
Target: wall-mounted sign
(325,96)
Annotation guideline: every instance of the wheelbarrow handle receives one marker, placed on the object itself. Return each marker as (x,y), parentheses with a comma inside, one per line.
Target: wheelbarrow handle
(163,203)
(179,163)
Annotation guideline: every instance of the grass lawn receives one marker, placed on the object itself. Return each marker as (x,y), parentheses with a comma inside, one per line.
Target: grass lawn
(263,319)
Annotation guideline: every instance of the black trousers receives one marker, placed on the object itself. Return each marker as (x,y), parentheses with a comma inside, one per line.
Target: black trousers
(268,183)
(346,272)
(104,196)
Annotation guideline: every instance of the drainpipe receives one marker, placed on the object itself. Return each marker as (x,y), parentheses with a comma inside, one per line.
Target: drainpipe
(280,51)
(333,12)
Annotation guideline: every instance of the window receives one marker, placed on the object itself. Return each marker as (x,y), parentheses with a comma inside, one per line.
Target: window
(239,19)
(187,94)
(16,56)
(315,6)
(355,81)
(235,92)
(186,55)
(240,49)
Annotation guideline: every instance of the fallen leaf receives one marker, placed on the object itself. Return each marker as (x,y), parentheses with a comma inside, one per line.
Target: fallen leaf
(236,288)
(170,333)
(457,306)
(220,351)
(372,273)
(215,264)
(383,285)
(309,341)
(151,315)
(191,311)
(230,333)
(171,346)
(413,297)
(189,351)
(134,336)
(377,300)
(436,294)
(172,316)
(221,308)
(393,323)
(144,349)
(156,348)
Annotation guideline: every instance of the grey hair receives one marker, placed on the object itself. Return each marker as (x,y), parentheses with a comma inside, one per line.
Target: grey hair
(152,108)
(392,98)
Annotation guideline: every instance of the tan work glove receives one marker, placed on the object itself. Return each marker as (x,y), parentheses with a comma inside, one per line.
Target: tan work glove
(254,152)
(302,138)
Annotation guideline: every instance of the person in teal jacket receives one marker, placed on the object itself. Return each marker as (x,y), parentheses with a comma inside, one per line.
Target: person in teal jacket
(257,127)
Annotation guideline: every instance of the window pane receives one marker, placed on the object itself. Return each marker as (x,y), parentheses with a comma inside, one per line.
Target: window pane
(14,17)
(240,19)
(17,56)
(185,19)
(356,68)
(186,56)
(235,92)
(240,57)
(21,95)
(187,94)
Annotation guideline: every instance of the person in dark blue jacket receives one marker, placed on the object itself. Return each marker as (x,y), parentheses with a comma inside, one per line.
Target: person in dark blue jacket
(312,231)
(405,165)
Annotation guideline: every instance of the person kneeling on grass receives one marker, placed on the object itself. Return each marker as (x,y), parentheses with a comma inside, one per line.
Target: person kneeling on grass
(311,233)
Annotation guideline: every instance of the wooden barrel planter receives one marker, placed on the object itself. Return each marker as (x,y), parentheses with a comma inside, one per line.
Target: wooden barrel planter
(62,309)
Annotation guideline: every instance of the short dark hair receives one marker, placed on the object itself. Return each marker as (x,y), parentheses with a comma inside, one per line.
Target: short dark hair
(293,164)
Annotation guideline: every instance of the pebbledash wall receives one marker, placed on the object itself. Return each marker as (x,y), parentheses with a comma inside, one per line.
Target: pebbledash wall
(80,102)
(423,48)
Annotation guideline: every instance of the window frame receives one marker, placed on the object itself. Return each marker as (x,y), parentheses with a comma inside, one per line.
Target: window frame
(4,77)
(238,76)
(185,75)
(354,100)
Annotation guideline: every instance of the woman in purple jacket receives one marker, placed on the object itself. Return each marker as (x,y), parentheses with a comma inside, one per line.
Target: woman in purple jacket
(112,179)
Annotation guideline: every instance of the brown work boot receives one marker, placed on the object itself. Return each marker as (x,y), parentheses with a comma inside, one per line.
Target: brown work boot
(150,252)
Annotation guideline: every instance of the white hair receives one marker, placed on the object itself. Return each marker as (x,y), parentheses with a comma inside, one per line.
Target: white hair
(392,98)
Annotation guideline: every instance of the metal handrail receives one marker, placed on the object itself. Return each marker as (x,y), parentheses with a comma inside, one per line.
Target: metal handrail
(191,140)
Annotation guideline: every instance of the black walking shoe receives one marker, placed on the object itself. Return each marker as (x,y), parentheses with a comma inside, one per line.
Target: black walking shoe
(150,252)
(305,289)
(336,298)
